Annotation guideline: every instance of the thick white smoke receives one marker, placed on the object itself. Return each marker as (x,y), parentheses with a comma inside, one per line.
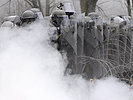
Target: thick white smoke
(111,89)
(31,69)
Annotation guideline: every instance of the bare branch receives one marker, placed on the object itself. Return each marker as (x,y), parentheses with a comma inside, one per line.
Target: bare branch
(5,3)
(30,3)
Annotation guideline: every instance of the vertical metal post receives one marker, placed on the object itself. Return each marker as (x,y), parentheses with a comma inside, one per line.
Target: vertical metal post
(75,39)
(108,34)
(125,44)
(131,54)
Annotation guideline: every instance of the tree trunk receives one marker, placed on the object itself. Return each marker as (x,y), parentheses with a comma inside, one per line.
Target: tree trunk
(47,8)
(40,7)
(129,7)
(35,3)
(88,6)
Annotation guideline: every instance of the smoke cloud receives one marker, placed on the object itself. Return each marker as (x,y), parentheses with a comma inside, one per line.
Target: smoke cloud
(111,89)
(31,69)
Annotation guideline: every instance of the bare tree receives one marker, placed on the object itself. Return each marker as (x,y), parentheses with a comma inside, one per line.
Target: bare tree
(35,4)
(88,6)
(47,7)
(129,7)
(29,2)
